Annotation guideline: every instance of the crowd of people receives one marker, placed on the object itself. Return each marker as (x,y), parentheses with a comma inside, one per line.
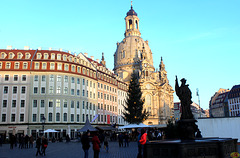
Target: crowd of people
(23,141)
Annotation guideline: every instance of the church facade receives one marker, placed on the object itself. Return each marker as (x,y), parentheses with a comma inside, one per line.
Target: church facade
(133,54)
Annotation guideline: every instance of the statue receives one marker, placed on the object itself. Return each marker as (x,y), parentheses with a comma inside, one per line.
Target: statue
(187,124)
(185,96)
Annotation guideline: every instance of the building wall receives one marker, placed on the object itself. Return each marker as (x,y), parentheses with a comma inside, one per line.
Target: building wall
(220,127)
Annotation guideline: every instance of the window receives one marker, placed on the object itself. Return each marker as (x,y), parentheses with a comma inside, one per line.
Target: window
(65,78)
(87,93)
(65,117)
(52,66)
(6,78)
(51,78)
(78,92)
(14,103)
(50,103)
(83,105)
(43,78)
(57,103)
(4,103)
(83,117)
(36,66)
(72,91)
(24,77)
(78,117)
(65,90)
(93,106)
(45,56)
(51,89)
(15,78)
(73,80)
(66,67)
(65,104)
(83,81)
(87,105)
(58,117)
(83,91)
(73,68)
(87,82)
(22,103)
(38,56)
(53,56)
(14,89)
(59,78)
(72,104)
(25,65)
(35,90)
(3,117)
(59,57)
(98,105)
(42,103)
(0,65)
(64,57)
(34,103)
(78,80)
(59,66)
(43,90)
(90,106)
(78,103)
(44,65)
(58,90)
(21,117)
(5,90)
(34,117)
(13,118)
(72,117)
(50,117)
(36,78)
(8,65)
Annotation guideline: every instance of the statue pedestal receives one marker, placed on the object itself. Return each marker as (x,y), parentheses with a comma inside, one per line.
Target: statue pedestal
(187,129)
(199,148)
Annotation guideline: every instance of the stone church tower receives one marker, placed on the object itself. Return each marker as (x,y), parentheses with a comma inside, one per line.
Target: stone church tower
(133,54)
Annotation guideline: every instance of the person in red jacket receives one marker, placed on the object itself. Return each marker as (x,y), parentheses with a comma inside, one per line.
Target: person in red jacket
(96,145)
(143,140)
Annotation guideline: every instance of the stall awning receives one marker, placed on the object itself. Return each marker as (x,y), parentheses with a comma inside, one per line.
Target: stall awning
(106,128)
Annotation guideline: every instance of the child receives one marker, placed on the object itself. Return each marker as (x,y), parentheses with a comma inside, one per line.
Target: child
(106,144)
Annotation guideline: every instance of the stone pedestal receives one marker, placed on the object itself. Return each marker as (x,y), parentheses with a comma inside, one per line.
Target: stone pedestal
(199,148)
(187,129)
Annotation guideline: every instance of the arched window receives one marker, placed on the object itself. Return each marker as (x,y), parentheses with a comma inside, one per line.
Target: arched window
(136,24)
(130,24)
(58,117)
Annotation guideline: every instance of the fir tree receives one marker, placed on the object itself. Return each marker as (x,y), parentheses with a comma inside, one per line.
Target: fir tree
(134,112)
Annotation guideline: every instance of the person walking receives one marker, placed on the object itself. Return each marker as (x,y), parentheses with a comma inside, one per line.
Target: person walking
(31,141)
(44,145)
(38,145)
(120,140)
(96,145)
(11,141)
(106,144)
(143,141)
(26,140)
(126,137)
(85,143)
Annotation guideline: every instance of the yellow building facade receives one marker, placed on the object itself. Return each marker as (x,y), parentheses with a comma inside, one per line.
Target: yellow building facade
(133,54)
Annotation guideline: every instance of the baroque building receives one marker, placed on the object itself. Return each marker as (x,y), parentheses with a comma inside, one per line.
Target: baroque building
(133,54)
(61,88)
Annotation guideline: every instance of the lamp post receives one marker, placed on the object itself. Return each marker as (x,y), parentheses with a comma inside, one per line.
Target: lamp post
(43,123)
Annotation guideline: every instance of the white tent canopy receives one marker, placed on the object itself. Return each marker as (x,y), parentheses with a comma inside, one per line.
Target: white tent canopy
(140,125)
(50,131)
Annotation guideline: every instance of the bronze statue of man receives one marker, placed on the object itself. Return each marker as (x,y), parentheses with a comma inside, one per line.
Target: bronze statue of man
(185,96)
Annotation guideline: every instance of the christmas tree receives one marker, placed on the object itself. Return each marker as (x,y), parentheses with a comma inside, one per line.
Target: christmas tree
(134,112)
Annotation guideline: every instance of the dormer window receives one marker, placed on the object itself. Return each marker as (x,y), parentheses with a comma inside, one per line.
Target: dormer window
(66,67)
(70,59)
(44,65)
(11,55)
(45,56)
(53,56)
(25,65)
(52,66)
(64,57)
(36,66)
(27,55)
(73,68)
(38,55)
(3,55)
(19,55)
(59,57)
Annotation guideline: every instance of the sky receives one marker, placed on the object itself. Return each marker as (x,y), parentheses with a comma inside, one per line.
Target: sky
(198,40)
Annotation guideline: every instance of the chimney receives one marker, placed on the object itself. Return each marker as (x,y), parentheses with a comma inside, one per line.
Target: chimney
(97,60)
(39,48)
(86,54)
(26,47)
(9,47)
(60,49)
(92,57)
(50,48)
(69,52)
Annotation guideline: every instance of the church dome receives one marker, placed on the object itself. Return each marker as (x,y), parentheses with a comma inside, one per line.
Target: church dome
(131,12)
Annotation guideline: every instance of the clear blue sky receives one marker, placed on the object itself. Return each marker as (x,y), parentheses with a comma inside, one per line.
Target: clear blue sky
(198,40)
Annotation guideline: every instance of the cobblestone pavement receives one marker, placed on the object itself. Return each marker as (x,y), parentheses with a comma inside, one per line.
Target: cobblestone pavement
(70,150)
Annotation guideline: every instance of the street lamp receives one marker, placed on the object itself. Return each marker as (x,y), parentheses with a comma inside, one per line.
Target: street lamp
(43,123)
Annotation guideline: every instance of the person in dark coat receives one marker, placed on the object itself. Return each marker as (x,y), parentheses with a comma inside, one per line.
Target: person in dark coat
(11,141)
(85,143)
(96,145)
(120,139)
(44,145)
(126,137)
(26,139)
(38,145)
